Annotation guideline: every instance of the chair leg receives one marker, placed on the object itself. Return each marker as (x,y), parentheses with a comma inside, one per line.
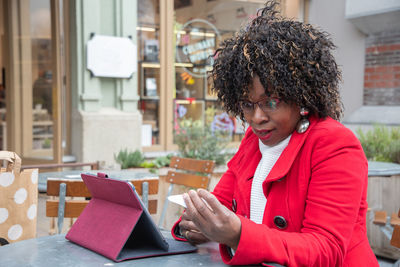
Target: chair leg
(71,222)
(61,207)
(145,194)
(52,230)
(164,210)
(52,227)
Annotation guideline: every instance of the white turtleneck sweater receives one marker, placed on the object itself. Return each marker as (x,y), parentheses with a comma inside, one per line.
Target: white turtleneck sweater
(270,155)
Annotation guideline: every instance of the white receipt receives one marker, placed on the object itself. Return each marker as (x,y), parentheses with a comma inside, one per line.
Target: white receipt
(177,199)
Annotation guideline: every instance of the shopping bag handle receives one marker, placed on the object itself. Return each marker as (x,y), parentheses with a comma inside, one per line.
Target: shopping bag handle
(14,161)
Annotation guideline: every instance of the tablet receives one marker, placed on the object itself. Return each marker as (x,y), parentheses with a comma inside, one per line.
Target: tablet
(116,224)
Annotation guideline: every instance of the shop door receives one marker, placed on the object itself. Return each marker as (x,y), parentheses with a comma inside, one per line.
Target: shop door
(30,81)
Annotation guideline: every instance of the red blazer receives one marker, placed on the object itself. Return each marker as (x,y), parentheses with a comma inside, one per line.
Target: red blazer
(316,201)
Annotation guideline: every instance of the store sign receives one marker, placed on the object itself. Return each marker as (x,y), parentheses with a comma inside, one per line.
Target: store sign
(109,56)
(196,43)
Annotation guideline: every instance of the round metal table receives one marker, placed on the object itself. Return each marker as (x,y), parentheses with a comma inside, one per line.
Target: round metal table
(127,174)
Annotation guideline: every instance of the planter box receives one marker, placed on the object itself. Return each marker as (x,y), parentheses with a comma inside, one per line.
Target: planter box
(383,194)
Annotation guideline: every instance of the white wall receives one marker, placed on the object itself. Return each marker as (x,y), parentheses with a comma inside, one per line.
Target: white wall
(356,8)
(350,52)
(101,127)
(101,135)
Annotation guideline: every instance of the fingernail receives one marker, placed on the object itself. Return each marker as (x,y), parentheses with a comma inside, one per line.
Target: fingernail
(192,192)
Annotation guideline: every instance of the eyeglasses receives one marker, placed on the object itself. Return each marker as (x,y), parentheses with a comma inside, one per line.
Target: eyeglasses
(266,105)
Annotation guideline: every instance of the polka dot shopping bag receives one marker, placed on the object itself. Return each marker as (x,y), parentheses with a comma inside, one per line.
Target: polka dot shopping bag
(18,199)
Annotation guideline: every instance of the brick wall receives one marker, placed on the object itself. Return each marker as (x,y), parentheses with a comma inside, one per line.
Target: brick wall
(382,69)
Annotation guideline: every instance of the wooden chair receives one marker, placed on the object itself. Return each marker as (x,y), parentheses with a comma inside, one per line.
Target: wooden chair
(59,166)
(390,226)
(59,207)
(380,217)
(395,219)
(193,173)
(395,240)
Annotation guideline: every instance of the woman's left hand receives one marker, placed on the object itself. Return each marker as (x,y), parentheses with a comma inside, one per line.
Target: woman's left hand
(213,219)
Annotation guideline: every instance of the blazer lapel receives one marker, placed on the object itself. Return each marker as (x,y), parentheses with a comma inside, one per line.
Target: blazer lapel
(244,165)
(285,161)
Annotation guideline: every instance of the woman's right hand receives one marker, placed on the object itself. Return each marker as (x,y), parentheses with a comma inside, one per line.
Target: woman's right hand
(189,231)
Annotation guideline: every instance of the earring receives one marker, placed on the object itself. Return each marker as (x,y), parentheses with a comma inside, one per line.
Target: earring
(303,124)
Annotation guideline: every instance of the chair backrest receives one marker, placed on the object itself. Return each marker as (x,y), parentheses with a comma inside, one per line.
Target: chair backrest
(395,240)
(59,188)
(194,173)
(190,172)
(48,167)
(381,219)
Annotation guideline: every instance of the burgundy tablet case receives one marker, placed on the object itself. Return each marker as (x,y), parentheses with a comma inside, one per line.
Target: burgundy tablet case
(116,225)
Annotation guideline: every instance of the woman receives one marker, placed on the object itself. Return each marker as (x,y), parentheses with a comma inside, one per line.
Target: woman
(295,192)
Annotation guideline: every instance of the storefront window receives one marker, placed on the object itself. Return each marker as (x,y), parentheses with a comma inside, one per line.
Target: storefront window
(148,32)
(200,27)
(42,82)
(31,43)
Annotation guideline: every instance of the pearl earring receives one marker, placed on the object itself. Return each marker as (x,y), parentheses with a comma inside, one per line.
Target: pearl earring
(303,124)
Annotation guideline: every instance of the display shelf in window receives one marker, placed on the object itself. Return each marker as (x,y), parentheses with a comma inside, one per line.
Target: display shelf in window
(149,80)
(42,129)
(187,86)
(151,49)
(148,43)
(216,116)
(188,110)
(150,111)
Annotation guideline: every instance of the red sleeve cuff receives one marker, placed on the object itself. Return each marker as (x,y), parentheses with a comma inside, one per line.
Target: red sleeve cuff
(225,255)
(246,252)
(175,231)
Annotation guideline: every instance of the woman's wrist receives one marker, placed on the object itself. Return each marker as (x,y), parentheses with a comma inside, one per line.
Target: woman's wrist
(237,229)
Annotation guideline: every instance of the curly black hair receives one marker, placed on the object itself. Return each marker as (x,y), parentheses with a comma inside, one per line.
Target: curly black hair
(292,59)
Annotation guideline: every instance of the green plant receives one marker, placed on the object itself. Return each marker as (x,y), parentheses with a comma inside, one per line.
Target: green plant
(381,143)
(394,151)
(147,164)
(162,161)
(197,141)
(46,143)
(158,163)
(129,159)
